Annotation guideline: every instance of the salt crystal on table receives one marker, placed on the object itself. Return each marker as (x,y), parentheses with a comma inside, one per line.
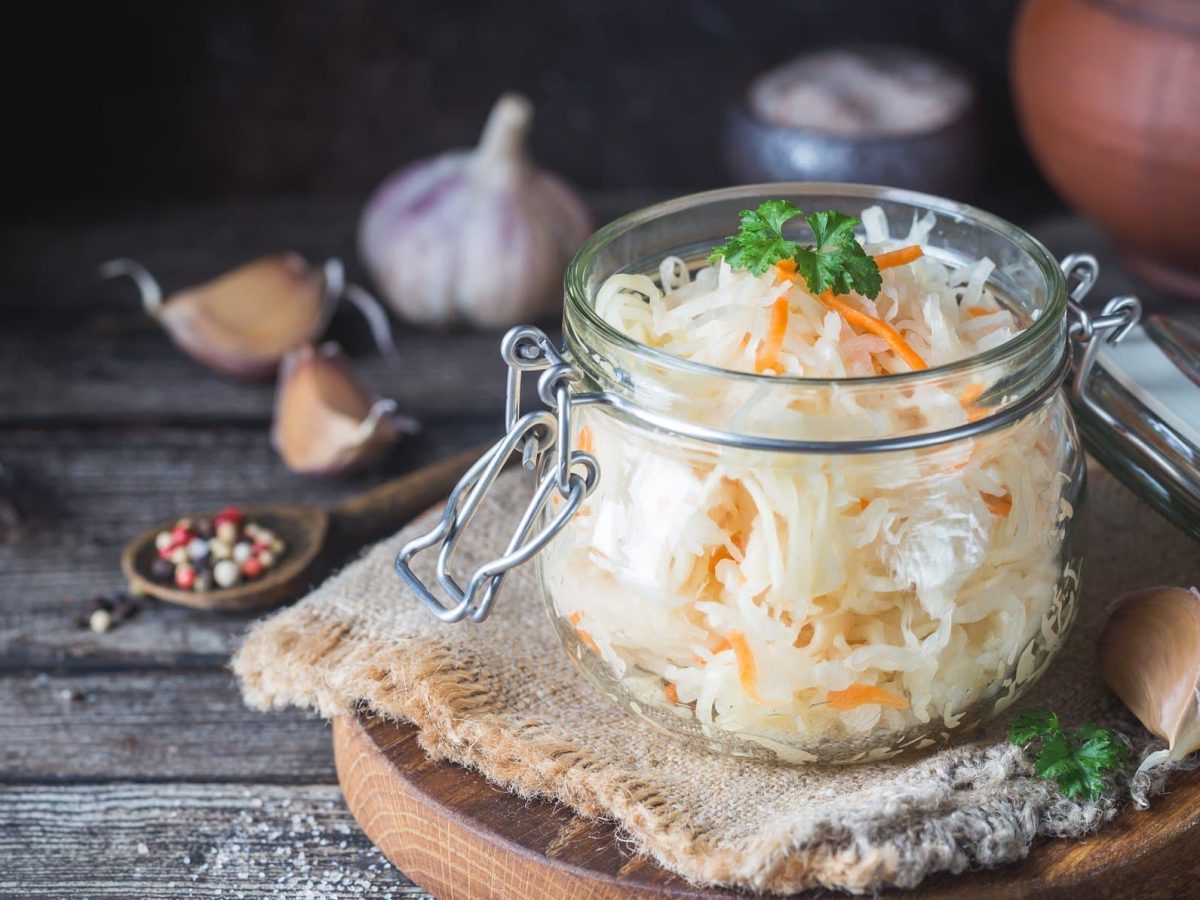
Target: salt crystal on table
(858,93)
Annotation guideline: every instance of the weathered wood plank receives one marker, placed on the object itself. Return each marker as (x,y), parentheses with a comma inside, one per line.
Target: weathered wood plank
(86,492)
(134,375)
(152,726)
(51,270)
(188,840)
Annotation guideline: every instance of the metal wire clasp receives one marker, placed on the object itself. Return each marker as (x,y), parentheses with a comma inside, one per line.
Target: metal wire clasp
(574,475)
(1088,332)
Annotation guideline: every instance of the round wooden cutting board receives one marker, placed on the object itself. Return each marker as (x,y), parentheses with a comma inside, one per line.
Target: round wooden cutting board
(458,836)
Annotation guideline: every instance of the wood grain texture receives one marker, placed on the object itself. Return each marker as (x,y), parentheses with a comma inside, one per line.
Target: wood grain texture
(87,491)
(82,376)
(202,840)
(188,726)
(459,836)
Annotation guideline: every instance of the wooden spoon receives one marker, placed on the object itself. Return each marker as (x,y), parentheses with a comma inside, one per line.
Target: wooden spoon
(316,538)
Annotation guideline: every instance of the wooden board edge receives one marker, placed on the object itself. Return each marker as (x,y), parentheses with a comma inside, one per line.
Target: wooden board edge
(448,854)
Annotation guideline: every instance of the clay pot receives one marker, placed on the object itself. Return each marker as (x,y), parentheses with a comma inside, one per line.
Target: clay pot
(1108,94)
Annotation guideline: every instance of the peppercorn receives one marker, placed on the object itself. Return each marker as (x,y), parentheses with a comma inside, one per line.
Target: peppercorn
(226,573)
(227,532)
(185,576)
(100,621)
(252,568)
(162,570)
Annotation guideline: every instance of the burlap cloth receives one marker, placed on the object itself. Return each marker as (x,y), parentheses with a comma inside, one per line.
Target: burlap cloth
(503,698)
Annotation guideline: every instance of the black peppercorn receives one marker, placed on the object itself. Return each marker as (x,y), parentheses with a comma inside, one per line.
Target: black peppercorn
(162,570)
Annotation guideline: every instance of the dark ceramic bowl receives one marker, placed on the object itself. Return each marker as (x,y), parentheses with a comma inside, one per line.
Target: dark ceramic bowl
(943,161)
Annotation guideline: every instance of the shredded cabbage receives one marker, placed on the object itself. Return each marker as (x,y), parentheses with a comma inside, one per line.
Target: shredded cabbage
(795,599)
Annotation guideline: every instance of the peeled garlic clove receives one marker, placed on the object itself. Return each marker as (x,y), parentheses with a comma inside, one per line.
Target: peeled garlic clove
(243,322)
(478,237)
(1149,654)
(326,419)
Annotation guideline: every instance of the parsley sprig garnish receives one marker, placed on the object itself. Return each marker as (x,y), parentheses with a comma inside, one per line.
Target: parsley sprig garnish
(837,262)
(1076,760)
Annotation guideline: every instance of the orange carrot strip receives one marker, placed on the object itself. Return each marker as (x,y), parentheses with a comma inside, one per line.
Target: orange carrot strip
(576,617)
(768,352)
(975,312)
(862,694)
(901,257)
(785,270)
(875,326)
(747,668)
(585,439)
(670,693)
(718,556)
(970,394)
(721,646)
(700,660)
(997,506)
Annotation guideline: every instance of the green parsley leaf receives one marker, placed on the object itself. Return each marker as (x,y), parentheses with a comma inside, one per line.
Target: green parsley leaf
(1077,761)
(1032,723)
(838,262)
(759,243)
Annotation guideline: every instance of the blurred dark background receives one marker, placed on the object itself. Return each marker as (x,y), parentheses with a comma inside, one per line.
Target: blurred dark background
(132,103)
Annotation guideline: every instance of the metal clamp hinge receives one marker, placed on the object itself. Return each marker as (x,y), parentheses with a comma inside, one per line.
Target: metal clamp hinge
(535,434)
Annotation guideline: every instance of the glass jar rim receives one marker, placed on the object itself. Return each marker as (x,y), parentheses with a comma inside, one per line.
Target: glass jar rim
(1051,318)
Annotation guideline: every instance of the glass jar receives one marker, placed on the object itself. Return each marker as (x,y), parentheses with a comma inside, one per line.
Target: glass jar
(804,570)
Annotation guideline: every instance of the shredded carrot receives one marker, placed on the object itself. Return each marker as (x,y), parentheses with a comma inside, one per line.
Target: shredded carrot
(585,439)
(862,694)
(901,257)
(976,311)
(719,555)
(670,693)
(575,618)
(863,503)
(768,352)
(875,326)
(720,646)
(747,668)
(785,270)
(700,660)
(997,506)
(970,394)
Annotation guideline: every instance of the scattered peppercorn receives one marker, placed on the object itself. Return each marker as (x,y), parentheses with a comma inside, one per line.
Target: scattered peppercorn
(103,613)
(100,621)
(220,552)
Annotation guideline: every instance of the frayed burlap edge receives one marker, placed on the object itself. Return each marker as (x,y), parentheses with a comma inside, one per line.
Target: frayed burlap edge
(304,657)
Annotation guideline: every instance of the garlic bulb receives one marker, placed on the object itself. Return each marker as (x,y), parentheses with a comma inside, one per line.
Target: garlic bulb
(477,236)
(1149,655)
(326,420)
(243,322)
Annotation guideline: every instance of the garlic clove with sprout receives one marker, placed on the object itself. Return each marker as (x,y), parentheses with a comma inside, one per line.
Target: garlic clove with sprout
(480,236)
(326,419)
(243,322)
(1149,654)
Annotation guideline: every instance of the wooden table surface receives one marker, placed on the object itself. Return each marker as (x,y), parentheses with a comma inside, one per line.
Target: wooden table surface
(128,764)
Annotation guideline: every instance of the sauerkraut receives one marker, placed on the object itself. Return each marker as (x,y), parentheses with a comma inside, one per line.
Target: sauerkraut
(807,600)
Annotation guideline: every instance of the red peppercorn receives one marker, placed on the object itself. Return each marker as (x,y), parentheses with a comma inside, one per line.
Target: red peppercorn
(229,514)
(251,568)
(180,535)
(185,577)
